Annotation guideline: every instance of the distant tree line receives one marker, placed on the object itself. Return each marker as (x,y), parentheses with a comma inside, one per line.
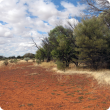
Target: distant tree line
(29,55)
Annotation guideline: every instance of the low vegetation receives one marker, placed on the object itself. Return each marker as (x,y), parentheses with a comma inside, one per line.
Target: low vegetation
(26,59)
(5,62)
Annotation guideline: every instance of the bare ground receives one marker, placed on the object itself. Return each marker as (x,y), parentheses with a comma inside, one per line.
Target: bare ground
(25,86)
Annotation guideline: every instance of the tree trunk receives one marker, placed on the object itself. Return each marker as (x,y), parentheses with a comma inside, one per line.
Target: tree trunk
(67,64)
(76,63)
(48,59)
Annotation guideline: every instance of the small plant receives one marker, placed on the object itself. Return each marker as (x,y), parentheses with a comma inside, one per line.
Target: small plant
(68,94)
(38,61)
(33,59)
(54,90)
(21,105)
(81,97)
(31,104)
(15,81)
(61,85)
(26,59)
(11,61)
(65,92)
(61,65)
(58,94)
(5,62)
(15,60)
(53,93)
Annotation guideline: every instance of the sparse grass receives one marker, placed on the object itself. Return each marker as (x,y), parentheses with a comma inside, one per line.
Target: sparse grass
(60,105)
(58,94)
(5,62)
(30,104)
(87,93)
(65,99)
(102,76)
(92,99)
(105,108)
(80,98)
(77,102)
(21,105)
(47,64)
(15,81)
(39,90)
(54,90)
(68,94)
(61,85)
(53,93)
(65,92)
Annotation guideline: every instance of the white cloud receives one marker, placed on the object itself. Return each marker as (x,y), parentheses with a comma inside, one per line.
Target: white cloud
(44,10)
(26,44)
(5,32)
(71,9)
(20,24)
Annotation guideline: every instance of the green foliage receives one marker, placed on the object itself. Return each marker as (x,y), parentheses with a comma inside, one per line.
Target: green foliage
(59,45)
(40,54)
(30,55)
(26,59)
(91,40)
(64,49)
(11,61)
(19,57)
(15,60)
(47,46)
(88,43)
(61,65)
(1,57)
(33,59)
(5,62)
(38,61)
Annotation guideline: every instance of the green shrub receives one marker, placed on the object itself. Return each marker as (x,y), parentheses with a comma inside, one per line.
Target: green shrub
(11,61)
(38,61)
(26,59)
(15,60)
(61,65)
(33,59)
(5,62)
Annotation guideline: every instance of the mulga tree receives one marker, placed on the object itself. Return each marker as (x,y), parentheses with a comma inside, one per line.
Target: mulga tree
(64,50)
(91,39)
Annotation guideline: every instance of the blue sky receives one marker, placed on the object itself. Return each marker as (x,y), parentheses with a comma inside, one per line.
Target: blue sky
(21,19)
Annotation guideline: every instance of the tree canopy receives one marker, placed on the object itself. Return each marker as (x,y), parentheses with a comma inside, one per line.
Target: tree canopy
(92,42)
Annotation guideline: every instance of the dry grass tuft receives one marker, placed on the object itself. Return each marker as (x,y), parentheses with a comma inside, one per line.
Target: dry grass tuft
(47,64)
(21,61)
(1,63)
(102,76)
(31,74)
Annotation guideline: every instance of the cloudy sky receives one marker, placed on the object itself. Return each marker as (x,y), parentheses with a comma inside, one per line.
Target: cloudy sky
(21,19)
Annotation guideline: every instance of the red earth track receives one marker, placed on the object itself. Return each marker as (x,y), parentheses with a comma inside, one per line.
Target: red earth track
(29,87)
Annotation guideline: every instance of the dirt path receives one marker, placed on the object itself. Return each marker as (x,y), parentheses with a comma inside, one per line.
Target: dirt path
(27,87)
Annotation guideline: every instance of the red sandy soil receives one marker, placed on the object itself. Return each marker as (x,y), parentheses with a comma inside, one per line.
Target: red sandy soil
(47,90)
